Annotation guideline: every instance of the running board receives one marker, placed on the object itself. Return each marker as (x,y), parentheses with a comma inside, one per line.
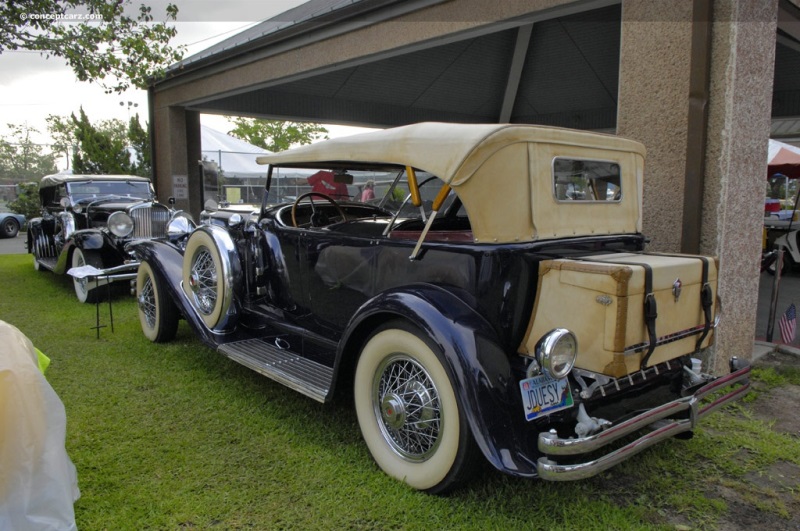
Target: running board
(272,358)
(48,263)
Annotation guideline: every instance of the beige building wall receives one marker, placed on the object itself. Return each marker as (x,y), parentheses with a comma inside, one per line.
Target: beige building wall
(655,51)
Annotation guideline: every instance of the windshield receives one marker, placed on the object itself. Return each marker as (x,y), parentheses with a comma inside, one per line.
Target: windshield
(383,187)
(89,190)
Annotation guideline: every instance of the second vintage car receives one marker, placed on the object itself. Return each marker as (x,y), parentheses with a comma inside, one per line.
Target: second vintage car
(505,309)
(10,224)
(87,220)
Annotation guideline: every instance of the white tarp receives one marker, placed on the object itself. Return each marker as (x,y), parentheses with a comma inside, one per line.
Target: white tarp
(235,157)
(38,482)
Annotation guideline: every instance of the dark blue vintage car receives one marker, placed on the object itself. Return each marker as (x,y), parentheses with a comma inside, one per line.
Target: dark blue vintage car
(10,224)
(86,222)
(493,300)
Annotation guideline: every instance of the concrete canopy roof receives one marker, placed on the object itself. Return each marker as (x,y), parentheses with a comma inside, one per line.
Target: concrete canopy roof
(558,66)
(499,71)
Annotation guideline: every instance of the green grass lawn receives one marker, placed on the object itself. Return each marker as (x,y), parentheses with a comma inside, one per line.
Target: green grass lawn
(178,437)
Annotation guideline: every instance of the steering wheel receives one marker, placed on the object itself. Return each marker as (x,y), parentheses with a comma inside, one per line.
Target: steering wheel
(317,219)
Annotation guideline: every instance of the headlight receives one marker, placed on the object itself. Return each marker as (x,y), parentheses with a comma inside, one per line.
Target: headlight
(556,352)
(180,225)
(120,224)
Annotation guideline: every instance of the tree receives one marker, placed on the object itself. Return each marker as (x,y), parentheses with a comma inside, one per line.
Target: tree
(139,140)
(109,147)
(98,39)
(99,151)
(27,201)
(276,135)
(23,160)
(62,133)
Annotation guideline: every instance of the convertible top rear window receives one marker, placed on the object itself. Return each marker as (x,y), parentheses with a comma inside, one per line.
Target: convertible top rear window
(586,180)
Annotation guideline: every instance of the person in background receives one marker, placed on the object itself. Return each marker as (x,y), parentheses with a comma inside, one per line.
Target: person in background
(368,192)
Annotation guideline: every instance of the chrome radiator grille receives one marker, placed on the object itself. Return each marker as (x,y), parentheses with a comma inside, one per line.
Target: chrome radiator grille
(149,221)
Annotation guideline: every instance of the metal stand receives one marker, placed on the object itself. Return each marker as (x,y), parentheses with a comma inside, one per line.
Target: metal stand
(98,326)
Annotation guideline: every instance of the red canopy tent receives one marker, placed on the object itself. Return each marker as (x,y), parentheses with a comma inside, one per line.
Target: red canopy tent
(784,159)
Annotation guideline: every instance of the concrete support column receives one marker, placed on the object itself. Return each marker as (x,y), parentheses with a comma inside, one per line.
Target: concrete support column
(655,67)
(176,167)
(742,72)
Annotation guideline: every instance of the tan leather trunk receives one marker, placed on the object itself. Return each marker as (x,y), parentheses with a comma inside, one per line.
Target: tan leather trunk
(601,300)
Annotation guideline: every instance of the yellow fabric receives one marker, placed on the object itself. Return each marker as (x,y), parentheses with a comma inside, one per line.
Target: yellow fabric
(44,361)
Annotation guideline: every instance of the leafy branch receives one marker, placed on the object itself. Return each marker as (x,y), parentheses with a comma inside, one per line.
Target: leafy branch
(97,38)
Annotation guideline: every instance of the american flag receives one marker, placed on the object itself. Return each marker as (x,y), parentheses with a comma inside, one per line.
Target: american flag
(788,324)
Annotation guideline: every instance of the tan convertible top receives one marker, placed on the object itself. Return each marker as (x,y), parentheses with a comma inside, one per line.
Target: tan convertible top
(60,178)
(501,172)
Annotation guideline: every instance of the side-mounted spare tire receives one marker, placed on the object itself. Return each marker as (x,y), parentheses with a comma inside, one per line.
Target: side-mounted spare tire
(209,271)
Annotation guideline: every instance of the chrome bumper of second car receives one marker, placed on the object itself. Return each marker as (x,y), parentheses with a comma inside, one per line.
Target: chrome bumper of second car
(660,419)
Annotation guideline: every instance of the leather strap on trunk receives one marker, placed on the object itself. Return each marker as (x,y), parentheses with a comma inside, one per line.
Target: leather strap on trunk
(650,308)
(706,301)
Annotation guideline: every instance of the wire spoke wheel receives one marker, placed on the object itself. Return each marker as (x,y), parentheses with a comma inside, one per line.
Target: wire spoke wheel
(407,407)
(203,281)
(158,314)
(147,302)
(408,412)
(85,290)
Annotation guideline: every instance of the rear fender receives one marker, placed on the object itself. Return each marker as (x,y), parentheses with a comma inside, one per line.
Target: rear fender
(484,382)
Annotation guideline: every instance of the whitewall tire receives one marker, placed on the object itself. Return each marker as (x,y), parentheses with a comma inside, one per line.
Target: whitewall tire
(204,278)
(86,290)
(158,314)
(408,412)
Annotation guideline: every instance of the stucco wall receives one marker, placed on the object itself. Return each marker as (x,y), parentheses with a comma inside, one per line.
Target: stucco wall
(743,58)
(653,108)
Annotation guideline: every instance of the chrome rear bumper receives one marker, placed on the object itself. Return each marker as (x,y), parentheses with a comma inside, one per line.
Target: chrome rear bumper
(661,420)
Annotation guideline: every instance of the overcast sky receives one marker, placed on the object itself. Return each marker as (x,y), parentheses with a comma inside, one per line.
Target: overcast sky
(32,87)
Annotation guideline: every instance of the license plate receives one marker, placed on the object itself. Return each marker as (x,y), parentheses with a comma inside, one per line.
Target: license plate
(542,395)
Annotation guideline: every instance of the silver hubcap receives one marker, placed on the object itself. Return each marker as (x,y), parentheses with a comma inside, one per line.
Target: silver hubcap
(203,281)
(407,408)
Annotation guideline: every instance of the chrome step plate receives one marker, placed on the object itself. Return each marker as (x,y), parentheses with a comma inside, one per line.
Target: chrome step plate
(273,359)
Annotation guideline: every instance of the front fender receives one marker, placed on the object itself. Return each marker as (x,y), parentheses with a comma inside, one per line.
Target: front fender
(89,240)
(166,261)
(484,382)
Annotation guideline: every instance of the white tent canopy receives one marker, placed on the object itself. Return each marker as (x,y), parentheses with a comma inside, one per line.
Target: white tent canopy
(235,157)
